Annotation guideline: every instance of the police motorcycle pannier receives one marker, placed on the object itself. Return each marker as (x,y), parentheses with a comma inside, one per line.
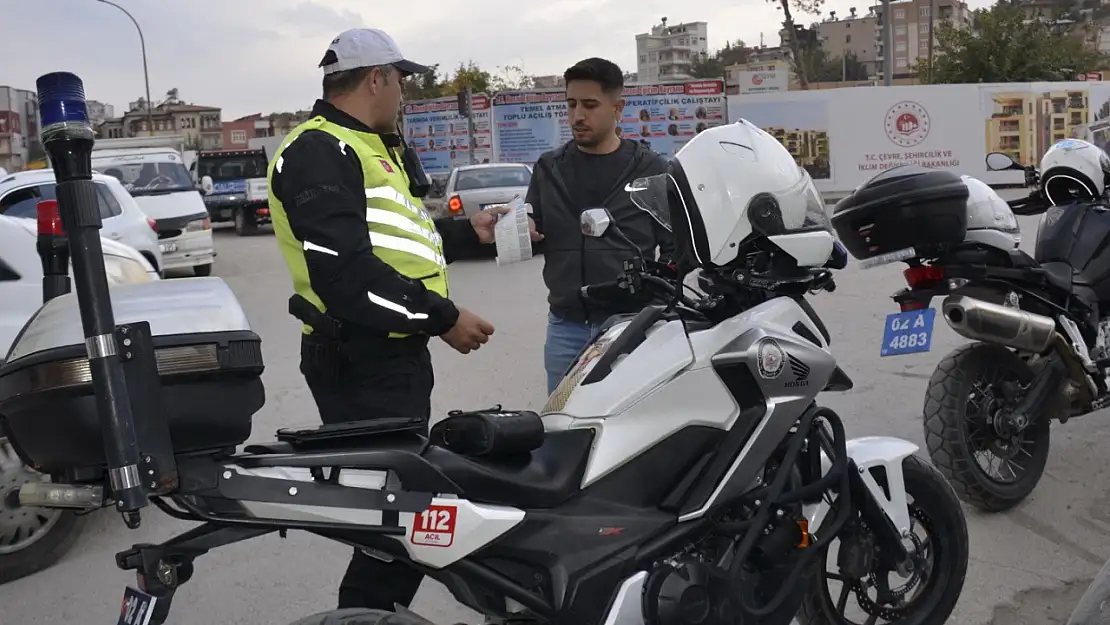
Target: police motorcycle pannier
(908,206)
(209,366)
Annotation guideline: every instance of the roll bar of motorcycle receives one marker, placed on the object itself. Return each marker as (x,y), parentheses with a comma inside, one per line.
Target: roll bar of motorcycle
(121,359)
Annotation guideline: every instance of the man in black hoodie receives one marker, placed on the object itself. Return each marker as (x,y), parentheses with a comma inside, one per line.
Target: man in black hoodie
(590,171)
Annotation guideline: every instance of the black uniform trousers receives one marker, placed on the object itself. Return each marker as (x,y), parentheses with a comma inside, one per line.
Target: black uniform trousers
(376,377)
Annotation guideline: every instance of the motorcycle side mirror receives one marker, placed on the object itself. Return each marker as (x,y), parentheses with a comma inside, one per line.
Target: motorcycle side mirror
(595,222)
(206,185)
(997,161)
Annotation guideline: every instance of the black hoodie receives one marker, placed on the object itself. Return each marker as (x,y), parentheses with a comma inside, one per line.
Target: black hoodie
(572,260)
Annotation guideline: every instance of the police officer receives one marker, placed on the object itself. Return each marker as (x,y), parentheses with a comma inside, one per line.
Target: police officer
(369,266)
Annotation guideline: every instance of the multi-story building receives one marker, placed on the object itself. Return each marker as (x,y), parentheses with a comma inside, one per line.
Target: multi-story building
(19,128)
(667,52)
(99,112)
(851,36)
(914,24)
(1024,125)
(200,125)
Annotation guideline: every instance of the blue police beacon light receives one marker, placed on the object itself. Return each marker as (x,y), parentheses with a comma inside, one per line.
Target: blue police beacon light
(66,132)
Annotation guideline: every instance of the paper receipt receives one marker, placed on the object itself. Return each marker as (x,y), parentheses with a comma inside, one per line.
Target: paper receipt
(511,234)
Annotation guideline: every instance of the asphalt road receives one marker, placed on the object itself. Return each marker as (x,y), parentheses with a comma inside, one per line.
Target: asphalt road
(1025,561)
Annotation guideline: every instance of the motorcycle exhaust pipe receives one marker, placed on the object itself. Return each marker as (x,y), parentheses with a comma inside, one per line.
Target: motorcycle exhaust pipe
(978,320)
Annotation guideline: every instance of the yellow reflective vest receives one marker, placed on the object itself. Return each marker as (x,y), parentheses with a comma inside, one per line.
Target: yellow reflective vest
(402,233)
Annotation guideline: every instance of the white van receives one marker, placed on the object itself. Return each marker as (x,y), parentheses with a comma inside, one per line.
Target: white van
(152,170)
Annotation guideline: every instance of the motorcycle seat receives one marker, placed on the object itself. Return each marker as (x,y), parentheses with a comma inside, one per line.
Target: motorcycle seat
(541,479)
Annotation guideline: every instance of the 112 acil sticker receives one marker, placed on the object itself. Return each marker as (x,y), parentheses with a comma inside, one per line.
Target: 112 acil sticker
(435,527)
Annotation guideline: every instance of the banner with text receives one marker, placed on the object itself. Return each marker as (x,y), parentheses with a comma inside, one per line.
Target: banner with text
(667,116)
(664,116)
(844,137)
(437,132)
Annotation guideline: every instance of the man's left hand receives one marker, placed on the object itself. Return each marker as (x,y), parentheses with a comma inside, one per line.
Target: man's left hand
(483,222)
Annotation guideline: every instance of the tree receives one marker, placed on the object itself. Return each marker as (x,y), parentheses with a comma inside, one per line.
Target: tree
(510,78)
(423,86)
(1008,48)
(797,38)
(713,66)
(468,75)
(821,67)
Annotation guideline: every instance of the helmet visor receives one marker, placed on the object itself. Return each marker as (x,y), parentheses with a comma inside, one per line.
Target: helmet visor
(654,195)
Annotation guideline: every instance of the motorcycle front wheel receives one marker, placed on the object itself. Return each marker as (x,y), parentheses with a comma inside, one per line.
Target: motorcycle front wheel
(925,592)
(989,466)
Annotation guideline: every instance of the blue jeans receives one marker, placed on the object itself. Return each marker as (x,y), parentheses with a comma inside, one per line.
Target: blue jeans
(565,340)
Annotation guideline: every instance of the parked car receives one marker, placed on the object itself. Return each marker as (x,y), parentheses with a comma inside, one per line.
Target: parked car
(123,220)
(32,539)
(473,188)
(152,169)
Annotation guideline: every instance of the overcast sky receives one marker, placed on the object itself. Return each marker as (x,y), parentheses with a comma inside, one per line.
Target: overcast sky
(251,56)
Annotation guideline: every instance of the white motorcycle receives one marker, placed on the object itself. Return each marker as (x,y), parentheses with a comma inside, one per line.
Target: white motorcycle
(681,474)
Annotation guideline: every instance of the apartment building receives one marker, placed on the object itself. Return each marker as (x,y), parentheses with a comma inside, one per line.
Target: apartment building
(913,23)
(852,35)
(200,125)
(1024,124)
(19,128)
(99,112)
(667,52)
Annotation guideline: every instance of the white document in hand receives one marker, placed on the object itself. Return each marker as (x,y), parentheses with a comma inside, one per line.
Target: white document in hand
(512,234)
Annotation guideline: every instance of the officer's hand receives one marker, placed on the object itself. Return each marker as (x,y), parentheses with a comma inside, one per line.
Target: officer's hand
(469,333)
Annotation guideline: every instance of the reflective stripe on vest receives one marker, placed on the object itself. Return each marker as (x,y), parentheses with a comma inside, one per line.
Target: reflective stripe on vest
(402,233)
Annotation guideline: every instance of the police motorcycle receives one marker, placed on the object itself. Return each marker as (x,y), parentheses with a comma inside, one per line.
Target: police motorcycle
(622,504)
(1041,347)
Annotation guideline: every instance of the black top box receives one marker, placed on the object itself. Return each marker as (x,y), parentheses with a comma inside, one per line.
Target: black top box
(903,207)
(209,364)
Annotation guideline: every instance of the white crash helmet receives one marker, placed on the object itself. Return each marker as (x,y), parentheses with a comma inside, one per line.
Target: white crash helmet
(990,220)
(1073,170)
(733,183)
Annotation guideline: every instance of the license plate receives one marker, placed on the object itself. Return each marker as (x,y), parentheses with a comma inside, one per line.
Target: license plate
(167,248)
(909,332)
(137,607)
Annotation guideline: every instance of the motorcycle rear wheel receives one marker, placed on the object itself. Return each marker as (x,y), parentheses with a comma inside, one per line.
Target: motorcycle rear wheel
(933,500)
(955,436)
(31,539)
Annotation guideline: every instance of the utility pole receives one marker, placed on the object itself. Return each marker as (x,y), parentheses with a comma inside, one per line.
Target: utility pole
(932,36)
(888,46)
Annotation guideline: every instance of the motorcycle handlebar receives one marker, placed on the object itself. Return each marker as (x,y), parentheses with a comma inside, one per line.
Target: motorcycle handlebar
(603,290)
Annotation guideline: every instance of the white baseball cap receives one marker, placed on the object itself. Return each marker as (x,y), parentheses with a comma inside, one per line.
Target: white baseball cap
(366,47)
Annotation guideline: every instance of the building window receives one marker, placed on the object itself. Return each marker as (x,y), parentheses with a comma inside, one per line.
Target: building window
(925,11)
(923,45)
(643,58)
(900,30)
(847,39)
(923,28)
(899,46)
(900,63)
(238,136)
(899,14)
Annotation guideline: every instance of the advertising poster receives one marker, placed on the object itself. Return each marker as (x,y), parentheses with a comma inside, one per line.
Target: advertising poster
(529,123)
(667,116)
(437,132)
(802,126)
